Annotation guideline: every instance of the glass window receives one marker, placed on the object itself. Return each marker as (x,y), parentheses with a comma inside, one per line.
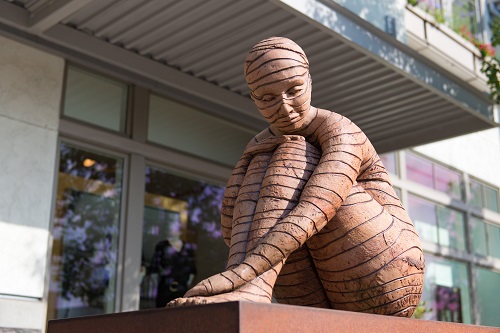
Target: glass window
(493,234)
(95,99)
(419,170)
(487,297)
(461,15)
(182,239)
(390,162)
(186,129)
(434,175)
(85,233)
(479,239)
(423,215)
(438,224)
(451,228)
(486,238)
(484,196)
(446,290)
(490,198)
(398,191)
(448,181)
(476,190)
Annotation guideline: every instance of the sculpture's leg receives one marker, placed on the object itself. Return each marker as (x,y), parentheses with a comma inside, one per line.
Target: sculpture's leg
(367,259)
(271,188)
(299,283)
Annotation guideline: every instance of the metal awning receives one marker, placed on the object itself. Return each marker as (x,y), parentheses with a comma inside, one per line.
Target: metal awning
(198,47)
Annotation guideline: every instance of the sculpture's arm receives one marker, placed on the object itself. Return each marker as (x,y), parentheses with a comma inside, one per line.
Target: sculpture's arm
(261,143)
(376,181)
(342,154)
(327,188)
(231,194)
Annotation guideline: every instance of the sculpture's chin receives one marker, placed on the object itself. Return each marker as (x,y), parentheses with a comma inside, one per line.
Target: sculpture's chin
(291,127)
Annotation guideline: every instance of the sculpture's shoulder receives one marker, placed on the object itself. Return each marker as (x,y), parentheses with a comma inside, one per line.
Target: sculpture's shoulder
(336,122)
(336,126)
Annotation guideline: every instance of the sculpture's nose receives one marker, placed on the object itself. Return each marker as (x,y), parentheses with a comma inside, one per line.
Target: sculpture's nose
(285,108)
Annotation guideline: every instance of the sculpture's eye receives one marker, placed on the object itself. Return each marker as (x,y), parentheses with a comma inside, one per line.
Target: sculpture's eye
(267,98)
(294,91)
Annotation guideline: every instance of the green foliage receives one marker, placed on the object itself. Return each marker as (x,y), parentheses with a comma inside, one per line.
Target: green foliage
(421,310)
(490,63)
(437,13)
(491,68)
(495,31)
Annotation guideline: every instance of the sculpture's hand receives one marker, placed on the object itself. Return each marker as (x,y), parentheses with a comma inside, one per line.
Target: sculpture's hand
(213,285)
(270,144)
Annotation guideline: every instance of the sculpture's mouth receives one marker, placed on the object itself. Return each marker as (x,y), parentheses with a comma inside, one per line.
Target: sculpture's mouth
(289,119)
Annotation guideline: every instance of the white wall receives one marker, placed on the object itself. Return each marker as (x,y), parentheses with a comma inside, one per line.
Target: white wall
(477,154)
(30,95)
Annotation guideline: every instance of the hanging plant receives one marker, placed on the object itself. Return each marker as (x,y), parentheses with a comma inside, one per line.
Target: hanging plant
(490,64)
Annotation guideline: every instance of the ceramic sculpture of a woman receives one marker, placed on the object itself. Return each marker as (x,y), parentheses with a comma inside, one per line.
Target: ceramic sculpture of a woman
(309,212)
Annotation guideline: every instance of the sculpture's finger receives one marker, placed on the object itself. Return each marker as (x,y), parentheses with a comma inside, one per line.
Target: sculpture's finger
(174,303)
(294,137)
(199,290)
(267,145)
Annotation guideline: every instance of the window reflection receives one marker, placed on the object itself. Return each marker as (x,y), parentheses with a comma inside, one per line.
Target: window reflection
(491,198)
(479,239)
(446,290)
(398,191)
(95,99)
(476,193)
(390,162)
(419,170)
(193,131)
(493,232)
(487,282)
(85,233)
(438,224)
(462,14)
(182,240)
(484,196)
(451,228)
(434,176)
(486,238)
(448,181)
(423,215)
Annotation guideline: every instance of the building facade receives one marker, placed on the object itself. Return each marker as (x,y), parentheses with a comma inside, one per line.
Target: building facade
(120,122)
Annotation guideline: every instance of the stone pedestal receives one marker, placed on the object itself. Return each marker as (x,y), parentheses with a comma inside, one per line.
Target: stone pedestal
(244,317)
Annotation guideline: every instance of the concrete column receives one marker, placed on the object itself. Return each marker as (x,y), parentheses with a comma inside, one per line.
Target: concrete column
(30,95)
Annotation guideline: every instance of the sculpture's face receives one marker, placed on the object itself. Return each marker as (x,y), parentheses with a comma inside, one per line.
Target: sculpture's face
(281,90)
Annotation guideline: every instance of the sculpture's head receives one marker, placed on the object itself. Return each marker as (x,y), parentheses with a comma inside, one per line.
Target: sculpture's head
(277,73)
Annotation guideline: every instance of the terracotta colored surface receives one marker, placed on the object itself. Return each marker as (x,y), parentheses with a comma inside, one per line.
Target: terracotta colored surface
(249,317)
(309,212)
